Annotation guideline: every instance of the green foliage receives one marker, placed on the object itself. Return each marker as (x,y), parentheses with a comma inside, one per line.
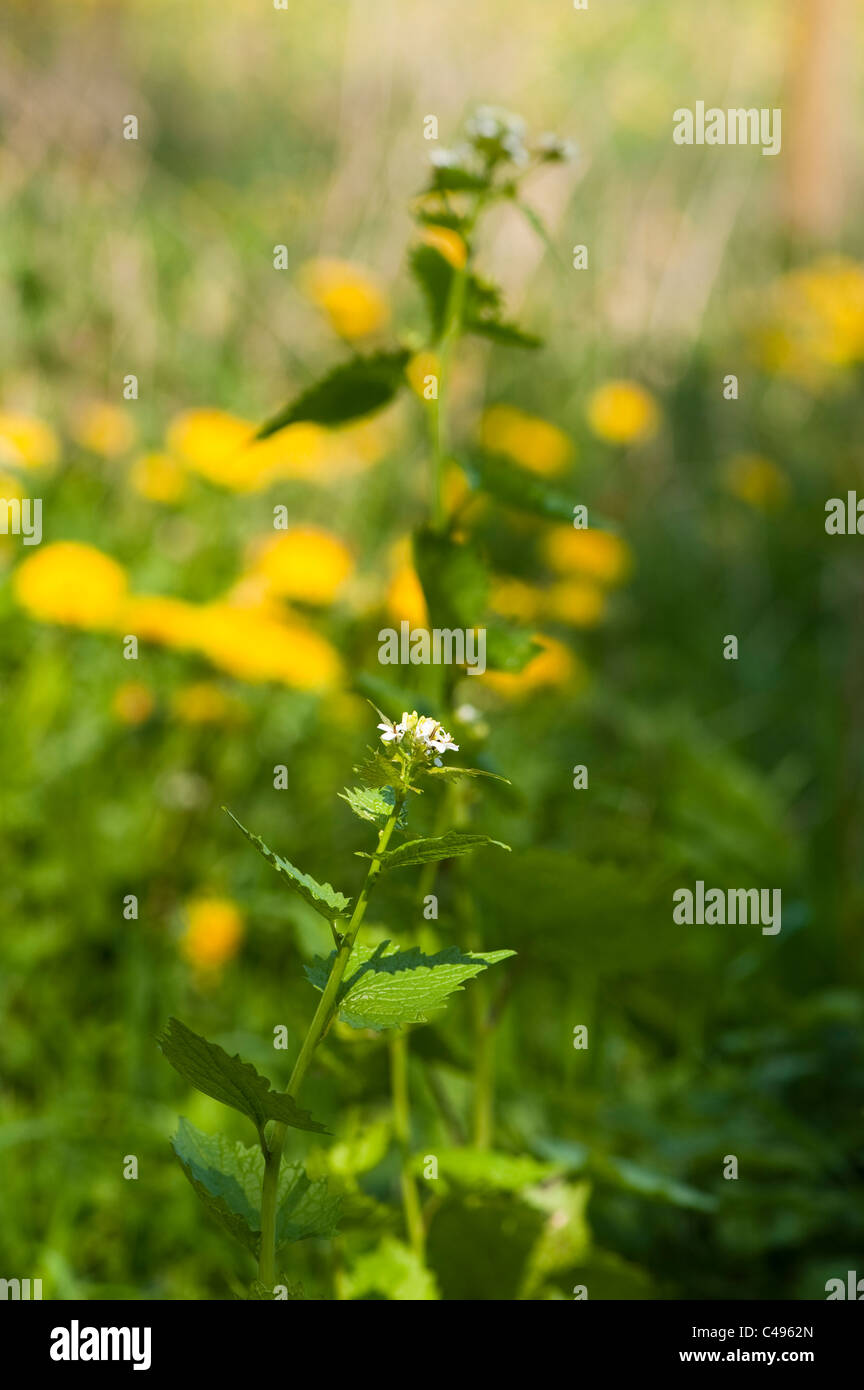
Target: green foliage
(227,1177)
(373,804)
(208,1068)
(388,988)
(350,391)
(433,848)
(514,487)
(391,1271)
(322,896)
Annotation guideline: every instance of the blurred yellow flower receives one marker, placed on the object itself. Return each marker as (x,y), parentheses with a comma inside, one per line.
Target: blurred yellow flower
(448,243)
(69,582)
(213,444)
(133,703)
(297,451)
(514,599)
(623,412)
(455,488)
(11,487)
(756,481)
(254,646)
(104,429)
(599,555)
(405,600)
(215,928)
(528,440)
(27,443)
(554,666)
(574,602)
(202,702)
(815,322)
(171,622)
(348,294)
(304,563)
(421,366)
(159,478)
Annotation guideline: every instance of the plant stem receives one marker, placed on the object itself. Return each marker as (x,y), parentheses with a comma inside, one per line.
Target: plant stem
(402,1125)
(439,427)
(484,1069)
(321,1021)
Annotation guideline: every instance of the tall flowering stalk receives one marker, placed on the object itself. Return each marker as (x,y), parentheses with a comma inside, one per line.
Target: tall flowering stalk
(262,1202)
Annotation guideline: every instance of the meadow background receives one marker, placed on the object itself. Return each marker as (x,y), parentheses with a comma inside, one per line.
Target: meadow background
(259,648)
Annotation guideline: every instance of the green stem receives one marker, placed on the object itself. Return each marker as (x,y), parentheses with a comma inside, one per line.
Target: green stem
(484,1067)
(321,1021)
(402,1126)
(439,424)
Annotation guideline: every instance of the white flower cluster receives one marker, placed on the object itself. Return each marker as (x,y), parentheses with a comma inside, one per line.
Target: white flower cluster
(421,733)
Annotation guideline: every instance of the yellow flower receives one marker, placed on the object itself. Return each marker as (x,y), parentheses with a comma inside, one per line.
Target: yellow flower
(421,366)
(254,646)
(575,602)
(103,429)
(600,555)
(815,323)
(623,412)
(133,703)
(159,478)
(756,481)
(297,451)
(554,666)
(304,563)
(530,441)
(11,487)
(172,622)
(213,444)
(405,600)
(215,928)
(350,297)
(27,443)
(68,582)
(447,243)
(202,702)
(515,599)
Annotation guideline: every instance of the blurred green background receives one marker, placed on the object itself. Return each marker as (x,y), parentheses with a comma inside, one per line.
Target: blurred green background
(304,129)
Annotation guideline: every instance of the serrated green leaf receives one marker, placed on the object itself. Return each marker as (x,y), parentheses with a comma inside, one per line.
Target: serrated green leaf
(384,989)
(227,1176)
(433,848)
(322,896)
(374,804)
(514,487)
(208,1068)
(376,770)
(465,772)
(501,331)
(353,389)
(223,1175)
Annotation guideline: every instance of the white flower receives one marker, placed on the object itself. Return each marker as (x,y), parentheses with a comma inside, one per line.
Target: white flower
(424,734)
